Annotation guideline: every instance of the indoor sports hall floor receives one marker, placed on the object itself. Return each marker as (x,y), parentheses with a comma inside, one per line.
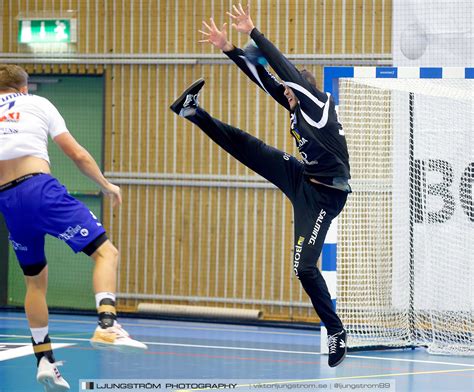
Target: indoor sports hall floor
(186,352)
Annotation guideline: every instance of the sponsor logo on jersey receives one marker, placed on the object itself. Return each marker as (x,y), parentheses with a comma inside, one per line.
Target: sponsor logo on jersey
(70,233)
(300,141)
(8,131)
(10,117)
(298,249)
(11,103)
(84,232)
(317,227)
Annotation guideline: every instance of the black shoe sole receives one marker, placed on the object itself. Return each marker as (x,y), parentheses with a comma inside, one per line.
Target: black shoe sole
(192,89)
(340,360)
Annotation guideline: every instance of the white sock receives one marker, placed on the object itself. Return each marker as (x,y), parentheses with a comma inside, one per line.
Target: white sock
(104,294)
(39,334)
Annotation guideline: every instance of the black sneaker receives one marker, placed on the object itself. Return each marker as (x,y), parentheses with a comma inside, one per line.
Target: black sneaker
(337,348)
(187,103)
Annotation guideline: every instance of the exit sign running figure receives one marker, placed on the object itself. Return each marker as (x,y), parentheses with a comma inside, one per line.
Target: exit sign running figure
(47,31)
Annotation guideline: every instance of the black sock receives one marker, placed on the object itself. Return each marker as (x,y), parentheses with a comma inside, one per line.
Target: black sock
(43,349)
(107,313)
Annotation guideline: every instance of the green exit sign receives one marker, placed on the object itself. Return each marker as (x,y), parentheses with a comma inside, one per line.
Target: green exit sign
(47,31)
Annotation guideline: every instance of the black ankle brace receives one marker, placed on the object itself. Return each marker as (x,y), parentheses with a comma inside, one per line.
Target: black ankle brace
(107,313)
(43,349)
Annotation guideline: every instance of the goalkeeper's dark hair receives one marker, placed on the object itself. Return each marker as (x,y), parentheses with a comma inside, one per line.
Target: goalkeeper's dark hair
(309,77)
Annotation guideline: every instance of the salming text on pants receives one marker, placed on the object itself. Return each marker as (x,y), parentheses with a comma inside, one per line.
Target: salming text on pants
(314,205)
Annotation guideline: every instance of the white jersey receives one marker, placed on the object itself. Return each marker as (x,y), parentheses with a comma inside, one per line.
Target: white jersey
(25,123)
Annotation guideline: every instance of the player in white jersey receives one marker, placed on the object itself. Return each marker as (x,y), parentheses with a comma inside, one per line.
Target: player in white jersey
(34,204)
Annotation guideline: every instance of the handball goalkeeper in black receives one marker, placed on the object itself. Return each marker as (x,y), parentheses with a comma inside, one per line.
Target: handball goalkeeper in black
(318,185)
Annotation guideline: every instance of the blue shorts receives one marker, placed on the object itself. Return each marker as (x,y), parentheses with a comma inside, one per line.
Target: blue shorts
(38,206)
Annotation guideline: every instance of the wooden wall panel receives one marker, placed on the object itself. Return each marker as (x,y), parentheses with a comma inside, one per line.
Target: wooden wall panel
(185,246)
(171,26)
(145,136)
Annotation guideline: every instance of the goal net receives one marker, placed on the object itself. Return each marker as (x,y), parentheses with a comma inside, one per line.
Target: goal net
(406,236)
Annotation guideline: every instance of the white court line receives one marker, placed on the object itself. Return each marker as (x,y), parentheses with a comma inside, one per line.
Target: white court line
(268,351)
(175,326)
(25,350)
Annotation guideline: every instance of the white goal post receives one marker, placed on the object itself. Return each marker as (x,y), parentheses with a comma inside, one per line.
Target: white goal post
(405,240)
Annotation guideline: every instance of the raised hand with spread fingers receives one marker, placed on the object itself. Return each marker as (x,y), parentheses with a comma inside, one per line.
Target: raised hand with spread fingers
(242,20)
(214,36)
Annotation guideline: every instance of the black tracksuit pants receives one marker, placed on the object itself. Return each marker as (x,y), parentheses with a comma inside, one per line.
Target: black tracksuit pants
(314,205)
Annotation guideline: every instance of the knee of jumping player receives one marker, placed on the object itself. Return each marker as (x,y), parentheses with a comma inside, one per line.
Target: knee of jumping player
(305,271)
(304,267)
(112,253)
(107,252)
(36,278)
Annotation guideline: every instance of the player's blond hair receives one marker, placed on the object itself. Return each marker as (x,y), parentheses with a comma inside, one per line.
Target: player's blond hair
(12,77)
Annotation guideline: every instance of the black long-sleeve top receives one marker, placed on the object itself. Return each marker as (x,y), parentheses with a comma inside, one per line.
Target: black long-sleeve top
(313,123)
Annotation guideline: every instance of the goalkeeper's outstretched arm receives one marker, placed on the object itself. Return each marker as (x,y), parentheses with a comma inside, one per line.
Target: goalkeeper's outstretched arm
(313,102)
(256,72)
(260,76)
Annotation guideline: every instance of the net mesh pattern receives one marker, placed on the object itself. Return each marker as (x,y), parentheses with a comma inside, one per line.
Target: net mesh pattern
(405,249)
